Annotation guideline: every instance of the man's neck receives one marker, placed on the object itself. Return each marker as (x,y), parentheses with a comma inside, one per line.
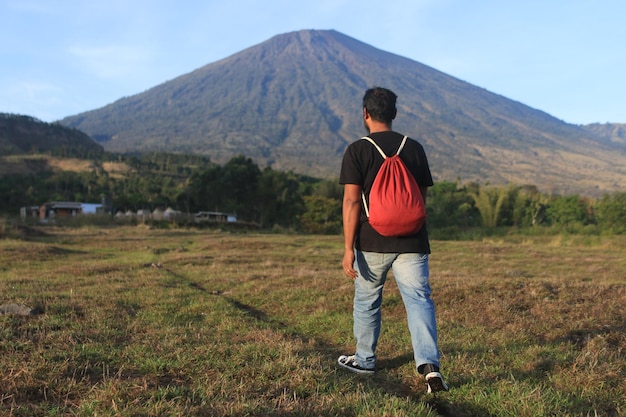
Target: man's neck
(377,127)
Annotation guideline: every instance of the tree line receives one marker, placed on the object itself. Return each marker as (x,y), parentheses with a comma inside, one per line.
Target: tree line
(451,206)
(277,199)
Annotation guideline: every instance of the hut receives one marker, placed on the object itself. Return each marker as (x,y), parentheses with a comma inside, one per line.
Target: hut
(54,209)
(215,216)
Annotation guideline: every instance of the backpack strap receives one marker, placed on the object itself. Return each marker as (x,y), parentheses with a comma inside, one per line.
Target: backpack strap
(401,145)
(367,138)
(370,140)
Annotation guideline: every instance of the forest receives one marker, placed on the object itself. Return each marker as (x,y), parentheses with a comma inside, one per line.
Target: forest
(272,199)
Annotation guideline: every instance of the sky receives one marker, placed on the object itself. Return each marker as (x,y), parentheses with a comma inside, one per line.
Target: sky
(62,57)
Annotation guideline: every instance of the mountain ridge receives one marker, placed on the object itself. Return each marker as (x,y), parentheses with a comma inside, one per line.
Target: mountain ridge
(293,103)
(21,134)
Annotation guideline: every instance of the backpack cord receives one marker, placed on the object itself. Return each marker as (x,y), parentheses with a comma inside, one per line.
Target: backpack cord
(367,138)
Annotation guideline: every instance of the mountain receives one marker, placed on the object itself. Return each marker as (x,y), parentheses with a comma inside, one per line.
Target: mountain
(24,134)
(293,102)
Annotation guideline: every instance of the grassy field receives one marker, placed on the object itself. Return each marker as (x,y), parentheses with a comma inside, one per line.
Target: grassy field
(135,321)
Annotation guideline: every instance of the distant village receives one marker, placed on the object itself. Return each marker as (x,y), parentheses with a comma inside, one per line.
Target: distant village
(48,212)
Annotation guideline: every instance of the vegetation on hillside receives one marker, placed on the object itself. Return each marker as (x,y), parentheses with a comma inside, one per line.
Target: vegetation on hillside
(270,198)
(25,134)
(613,132)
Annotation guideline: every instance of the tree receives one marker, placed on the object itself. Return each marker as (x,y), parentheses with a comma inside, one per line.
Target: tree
(323,215)
(329,189)
(530,207)
(280,202)
(563,211)
(449,205)
(489,202)
(240,187)
(205,189)
(611,212)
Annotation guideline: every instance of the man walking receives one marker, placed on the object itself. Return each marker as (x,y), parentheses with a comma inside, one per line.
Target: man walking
(368,255)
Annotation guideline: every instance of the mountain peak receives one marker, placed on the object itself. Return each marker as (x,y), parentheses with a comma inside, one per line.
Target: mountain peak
(293,103)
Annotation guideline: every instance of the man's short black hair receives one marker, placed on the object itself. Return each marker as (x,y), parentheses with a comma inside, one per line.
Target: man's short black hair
(380,103)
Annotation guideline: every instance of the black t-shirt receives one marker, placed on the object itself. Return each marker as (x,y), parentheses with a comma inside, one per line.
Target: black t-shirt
(361,163)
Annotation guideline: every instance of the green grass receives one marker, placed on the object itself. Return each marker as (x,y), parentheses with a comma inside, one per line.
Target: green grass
(146,322)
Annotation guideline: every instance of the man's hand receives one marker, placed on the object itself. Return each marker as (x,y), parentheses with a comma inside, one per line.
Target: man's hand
(351,209)
(348,263)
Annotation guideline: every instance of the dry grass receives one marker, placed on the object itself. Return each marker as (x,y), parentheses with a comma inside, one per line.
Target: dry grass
(70,164)
(29,164)
(117,169)
(183,322)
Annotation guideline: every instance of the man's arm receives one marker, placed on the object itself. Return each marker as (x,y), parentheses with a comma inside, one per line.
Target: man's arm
(351,211)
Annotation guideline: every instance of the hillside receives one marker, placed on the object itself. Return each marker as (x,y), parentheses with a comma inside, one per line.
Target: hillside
(613,132)
(24,134)
(293,103)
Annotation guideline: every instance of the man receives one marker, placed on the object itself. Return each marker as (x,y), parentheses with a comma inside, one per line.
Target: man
(368,256)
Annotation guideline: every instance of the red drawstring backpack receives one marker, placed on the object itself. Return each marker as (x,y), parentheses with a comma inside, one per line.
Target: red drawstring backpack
(396,206)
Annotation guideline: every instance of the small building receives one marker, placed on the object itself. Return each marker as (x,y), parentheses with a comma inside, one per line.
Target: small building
(143,214)
(89,208)
(215,216)
(172,215)
(157,214)
(54,209)
(29,212)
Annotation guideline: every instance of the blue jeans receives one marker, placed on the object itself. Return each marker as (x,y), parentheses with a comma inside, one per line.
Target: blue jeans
(410,271)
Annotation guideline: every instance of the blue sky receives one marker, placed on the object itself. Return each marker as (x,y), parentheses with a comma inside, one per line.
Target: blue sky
(62,57)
